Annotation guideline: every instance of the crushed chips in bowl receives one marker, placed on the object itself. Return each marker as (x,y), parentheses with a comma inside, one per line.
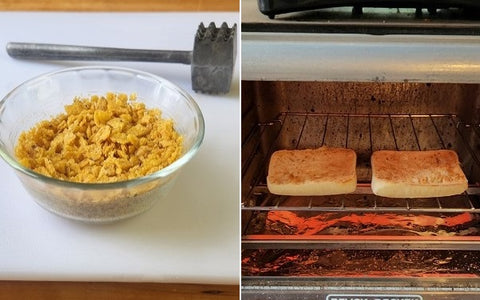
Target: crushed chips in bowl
(101,139)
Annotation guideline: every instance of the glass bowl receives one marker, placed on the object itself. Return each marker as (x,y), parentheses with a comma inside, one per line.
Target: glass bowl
(44,97)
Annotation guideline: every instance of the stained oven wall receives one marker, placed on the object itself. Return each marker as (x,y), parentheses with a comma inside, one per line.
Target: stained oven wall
(263,102)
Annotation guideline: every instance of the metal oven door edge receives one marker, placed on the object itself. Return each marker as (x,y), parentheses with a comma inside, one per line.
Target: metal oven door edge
(356,57)
(360,288)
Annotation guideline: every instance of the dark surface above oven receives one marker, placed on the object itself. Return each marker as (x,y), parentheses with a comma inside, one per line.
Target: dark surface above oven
(442,21)
(275,7)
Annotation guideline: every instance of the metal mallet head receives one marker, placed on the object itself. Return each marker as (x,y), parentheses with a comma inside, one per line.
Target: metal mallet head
(212,59)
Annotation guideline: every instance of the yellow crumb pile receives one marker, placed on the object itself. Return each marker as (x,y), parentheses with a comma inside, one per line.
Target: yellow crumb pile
(101,139)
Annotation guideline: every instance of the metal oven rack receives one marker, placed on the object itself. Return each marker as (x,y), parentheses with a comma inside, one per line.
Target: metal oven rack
(364,133)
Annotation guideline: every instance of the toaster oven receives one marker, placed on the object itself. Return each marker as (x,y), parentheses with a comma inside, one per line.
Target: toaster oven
(304,85)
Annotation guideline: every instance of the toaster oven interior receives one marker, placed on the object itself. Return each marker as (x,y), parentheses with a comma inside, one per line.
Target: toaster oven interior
(359,234)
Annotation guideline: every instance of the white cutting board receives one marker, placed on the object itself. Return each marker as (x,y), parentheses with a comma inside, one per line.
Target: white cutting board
(192,236)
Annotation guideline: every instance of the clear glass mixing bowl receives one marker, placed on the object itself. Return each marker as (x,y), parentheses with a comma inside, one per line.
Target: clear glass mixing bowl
(45,96)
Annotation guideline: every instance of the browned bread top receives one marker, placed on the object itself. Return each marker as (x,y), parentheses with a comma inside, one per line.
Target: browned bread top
(323,164)
(433,167)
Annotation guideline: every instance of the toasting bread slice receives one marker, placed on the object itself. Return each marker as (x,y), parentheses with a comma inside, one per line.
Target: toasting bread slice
(417,174)
(312,172)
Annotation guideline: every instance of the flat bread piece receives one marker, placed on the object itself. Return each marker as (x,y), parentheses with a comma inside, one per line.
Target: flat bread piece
(417,174)
(312,172)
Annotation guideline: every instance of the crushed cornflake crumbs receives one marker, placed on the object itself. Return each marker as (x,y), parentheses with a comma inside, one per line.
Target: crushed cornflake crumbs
(101,139)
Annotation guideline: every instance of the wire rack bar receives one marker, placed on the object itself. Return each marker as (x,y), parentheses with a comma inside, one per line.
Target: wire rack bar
(393,132)
(256,147)
(438,133)
(415,132)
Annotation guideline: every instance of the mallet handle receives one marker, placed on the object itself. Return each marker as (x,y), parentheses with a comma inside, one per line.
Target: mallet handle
(38,51)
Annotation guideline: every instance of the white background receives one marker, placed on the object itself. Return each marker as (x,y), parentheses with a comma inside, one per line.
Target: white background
(192,236)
